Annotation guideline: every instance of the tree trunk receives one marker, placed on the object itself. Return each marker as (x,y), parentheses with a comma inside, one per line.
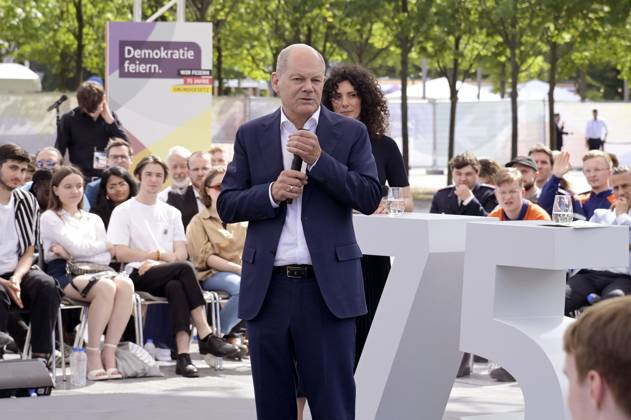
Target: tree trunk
(78,70)
(552,80)
(514,78)
(219,65)
(582,83)
(453,97)
(406,46)
(405,52)
(502,80)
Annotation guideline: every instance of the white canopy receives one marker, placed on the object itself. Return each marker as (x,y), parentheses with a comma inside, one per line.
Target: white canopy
(538,90)
(16,78)
(439,89)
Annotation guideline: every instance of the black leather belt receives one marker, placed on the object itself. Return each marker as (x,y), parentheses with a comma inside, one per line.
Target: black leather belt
(295,271)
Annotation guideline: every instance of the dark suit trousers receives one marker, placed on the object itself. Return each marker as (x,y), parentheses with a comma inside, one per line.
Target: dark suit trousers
(177,282)
(580,285)
(41,298)
(295,324)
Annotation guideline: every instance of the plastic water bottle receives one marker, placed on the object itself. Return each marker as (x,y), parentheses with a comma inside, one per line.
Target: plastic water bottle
(593,298)
(150,348)
(78,366)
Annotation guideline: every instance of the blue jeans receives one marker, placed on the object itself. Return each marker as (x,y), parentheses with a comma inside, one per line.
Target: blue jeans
(229,283)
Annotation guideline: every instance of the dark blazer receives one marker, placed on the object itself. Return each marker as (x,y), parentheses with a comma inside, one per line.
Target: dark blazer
(446,201)
(343,179)
(186,203)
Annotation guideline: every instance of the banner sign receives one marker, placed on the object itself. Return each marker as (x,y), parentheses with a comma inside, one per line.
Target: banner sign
(159,83)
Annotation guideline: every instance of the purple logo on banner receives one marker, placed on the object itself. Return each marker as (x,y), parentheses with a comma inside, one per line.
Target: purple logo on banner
(157,59)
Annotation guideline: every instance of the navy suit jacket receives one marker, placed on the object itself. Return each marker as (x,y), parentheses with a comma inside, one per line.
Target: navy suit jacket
(344,178)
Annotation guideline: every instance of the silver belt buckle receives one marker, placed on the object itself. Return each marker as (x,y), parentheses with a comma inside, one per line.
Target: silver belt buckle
(295,272)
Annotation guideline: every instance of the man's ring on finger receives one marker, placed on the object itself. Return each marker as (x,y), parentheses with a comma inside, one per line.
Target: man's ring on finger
(290,188)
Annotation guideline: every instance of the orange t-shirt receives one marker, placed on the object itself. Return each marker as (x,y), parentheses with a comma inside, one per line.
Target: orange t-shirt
(529,211)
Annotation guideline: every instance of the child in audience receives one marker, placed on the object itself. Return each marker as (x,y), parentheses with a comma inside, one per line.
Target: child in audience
(69,233)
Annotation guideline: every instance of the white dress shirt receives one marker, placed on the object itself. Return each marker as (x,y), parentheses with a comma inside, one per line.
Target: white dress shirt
(609,217)
(292,246)
(596,129)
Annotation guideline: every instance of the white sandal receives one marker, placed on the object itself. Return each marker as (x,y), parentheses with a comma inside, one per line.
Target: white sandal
(113,373)
(97,374)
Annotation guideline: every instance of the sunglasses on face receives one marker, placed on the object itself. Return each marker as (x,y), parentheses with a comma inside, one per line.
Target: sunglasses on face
(214,187)
(45,163)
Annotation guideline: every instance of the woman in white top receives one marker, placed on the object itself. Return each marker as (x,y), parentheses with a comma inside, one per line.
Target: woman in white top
(67,232)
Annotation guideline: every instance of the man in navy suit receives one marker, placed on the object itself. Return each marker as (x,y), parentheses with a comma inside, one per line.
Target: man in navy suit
(301,284)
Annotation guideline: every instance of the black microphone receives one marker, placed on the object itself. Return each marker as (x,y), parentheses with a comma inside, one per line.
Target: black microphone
(296,165)
(61,100)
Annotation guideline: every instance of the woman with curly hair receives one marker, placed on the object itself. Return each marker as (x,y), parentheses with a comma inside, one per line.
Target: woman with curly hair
(353,91)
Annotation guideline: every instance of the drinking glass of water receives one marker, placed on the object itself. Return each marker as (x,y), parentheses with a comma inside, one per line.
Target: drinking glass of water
(395,203)
(562,209)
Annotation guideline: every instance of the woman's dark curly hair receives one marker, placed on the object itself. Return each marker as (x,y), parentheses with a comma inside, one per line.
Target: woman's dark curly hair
(104,207)
(374,108)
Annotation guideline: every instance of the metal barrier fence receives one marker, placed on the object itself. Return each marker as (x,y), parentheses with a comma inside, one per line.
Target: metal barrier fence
(483,128)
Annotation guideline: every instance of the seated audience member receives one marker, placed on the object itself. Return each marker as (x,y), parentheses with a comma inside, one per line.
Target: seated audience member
(543,157)
(190,203)
(177,162)
(217,157)
(513,205)
(69,233)
(528,169)
(40,187)
(598,362)
(612,282)
(118,153)
(30,170)
(116,187)
(597,170)
(21,284)
(215,249)
(148,235)
(467,196)
(488,170)
(614,159)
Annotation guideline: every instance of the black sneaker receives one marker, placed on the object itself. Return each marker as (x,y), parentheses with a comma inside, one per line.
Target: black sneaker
(185,366)
(214,345)
(501,375)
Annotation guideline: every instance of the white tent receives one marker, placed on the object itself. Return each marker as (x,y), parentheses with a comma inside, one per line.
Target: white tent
(538,90)
(16,78)
(438,89)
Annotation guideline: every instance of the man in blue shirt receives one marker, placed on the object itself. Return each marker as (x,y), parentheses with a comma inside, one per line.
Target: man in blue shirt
(597,168)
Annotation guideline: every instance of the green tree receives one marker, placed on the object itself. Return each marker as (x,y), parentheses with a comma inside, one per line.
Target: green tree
(455,44)
(517,28)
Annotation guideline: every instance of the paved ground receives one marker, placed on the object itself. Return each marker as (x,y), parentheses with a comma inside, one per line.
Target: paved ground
(224,394)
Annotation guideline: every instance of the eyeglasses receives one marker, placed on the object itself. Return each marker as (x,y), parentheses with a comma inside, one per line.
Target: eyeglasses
(594,171)
(214,187)
(50,163)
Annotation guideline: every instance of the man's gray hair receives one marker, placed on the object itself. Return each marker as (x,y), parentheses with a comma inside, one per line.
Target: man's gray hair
(53,150)
(283,57)
(180,151)
(618,170)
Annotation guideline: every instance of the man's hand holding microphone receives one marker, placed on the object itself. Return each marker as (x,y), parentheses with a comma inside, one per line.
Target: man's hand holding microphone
(304,145)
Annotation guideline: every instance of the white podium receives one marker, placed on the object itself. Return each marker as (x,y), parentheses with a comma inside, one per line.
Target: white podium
(514,295)
(411,356)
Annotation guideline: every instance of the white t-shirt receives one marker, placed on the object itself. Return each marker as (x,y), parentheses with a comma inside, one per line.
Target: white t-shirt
(9,238)
(82,235)
(146,228)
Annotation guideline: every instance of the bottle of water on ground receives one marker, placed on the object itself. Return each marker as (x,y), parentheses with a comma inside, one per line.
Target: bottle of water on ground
(78,366)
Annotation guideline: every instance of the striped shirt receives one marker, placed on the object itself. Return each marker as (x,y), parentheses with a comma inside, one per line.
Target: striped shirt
(26,219)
